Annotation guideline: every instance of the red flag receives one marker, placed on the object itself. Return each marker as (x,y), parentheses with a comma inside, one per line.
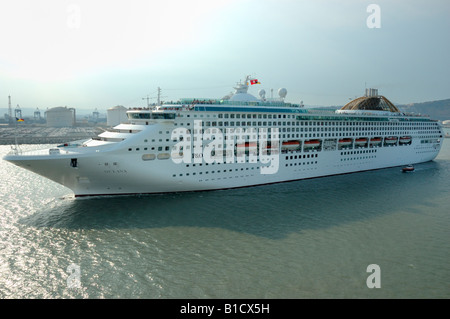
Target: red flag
(254,81)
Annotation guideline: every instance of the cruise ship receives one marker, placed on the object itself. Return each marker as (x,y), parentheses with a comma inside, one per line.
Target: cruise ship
(239,140)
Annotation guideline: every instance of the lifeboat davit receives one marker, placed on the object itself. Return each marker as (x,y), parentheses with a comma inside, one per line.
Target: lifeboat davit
(405,139)
(345,142)
(312,143)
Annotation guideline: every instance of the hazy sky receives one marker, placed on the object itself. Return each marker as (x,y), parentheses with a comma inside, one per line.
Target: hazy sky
(96,54)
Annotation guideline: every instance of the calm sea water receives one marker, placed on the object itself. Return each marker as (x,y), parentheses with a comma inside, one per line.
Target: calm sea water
(305,239)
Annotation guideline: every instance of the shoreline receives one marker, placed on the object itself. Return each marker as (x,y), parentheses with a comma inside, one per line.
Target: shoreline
(46,135)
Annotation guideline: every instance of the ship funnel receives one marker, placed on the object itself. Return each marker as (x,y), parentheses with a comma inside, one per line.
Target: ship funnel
(371,92)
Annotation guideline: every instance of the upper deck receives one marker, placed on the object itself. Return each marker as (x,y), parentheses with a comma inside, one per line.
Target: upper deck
(371,107)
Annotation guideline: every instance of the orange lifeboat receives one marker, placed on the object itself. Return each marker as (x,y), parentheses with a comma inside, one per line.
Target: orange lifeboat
(405,139)
(390,140)
(290,145)
(345,142)
(246,145)
(361,141)
(312,143)
(375,140)
(271,149)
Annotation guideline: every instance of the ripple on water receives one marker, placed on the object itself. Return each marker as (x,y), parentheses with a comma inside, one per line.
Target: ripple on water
(303,239)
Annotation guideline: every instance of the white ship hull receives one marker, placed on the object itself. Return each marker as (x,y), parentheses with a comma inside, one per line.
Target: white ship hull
(112,169)
(137,158)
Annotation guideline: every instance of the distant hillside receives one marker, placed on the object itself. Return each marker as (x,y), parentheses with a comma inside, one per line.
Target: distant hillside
(438,110)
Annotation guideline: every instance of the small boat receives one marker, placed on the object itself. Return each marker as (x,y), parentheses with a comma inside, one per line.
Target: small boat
(408,168)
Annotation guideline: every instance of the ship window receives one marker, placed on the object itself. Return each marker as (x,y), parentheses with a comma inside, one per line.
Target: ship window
(163,116)
(163,156)
(138,115)
(148,157)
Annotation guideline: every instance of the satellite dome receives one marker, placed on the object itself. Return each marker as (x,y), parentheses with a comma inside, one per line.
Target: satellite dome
(262,93)
(282,92)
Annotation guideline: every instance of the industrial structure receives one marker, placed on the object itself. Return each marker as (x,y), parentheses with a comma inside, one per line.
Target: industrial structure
(116,115)
(60,117)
